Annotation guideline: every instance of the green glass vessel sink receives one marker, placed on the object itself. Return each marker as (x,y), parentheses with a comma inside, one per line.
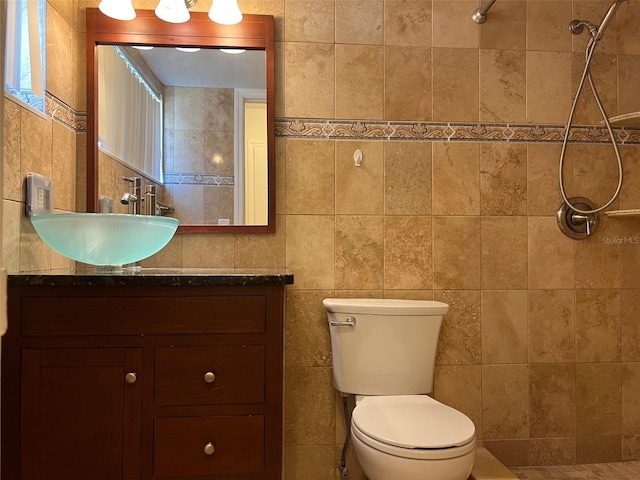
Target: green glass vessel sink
(105,239)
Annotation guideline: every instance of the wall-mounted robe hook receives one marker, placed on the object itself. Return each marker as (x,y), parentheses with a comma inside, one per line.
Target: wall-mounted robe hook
(357,157)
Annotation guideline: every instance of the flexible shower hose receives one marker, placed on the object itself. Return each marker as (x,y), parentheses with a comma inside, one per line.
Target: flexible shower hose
(591,46)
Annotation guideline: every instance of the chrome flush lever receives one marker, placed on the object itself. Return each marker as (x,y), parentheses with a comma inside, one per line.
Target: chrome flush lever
(349,322)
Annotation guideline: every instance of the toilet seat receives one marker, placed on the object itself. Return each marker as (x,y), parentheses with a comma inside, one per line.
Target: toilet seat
(413,426)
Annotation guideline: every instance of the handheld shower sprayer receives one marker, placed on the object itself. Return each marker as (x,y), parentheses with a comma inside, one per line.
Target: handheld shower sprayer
(577,216)
(611,13)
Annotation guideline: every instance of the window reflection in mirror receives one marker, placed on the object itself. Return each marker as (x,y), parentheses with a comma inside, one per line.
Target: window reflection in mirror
(130,104)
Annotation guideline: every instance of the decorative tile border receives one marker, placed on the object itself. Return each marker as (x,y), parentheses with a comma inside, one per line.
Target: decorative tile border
(199,179)
(486,132)
(381,130)
(63,113)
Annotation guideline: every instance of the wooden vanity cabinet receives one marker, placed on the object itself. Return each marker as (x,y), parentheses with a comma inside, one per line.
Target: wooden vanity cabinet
(142,382)
(77,415)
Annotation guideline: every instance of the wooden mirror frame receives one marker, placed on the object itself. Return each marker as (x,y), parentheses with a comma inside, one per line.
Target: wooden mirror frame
(254,32)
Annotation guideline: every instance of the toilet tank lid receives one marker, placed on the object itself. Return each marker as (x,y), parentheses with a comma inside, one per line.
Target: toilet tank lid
(384,306)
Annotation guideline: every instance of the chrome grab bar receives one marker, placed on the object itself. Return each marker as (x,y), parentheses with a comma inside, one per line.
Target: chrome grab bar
(349,322)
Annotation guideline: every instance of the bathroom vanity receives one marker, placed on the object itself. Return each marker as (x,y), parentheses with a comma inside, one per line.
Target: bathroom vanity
(147,375)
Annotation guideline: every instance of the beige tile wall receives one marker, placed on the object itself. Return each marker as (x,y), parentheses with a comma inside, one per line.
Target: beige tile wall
(541,345)
(199,140)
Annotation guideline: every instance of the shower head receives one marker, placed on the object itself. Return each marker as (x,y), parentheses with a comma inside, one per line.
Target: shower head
(480,15)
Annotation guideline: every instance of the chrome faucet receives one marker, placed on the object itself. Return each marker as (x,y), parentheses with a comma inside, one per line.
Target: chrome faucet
(132,197)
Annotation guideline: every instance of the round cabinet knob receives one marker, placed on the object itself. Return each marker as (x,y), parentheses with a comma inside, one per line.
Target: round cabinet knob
(209,377)
(209,449)
(131,377)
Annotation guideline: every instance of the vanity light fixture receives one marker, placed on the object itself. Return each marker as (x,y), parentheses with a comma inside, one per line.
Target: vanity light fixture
(188,49)
(172,11)
(225,12)
(143,47)
(118,9)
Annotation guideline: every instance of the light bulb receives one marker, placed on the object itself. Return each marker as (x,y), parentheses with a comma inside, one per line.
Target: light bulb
(225,12)
(118,9)
(172,11)
(233,51)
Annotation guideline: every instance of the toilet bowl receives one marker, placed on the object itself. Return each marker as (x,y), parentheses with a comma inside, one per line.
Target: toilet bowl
(412,437)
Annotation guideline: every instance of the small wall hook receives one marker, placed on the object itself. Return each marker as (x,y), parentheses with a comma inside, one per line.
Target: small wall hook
(357,157)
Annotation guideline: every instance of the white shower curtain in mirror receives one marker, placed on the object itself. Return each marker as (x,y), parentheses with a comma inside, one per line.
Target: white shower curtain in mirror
(130,115)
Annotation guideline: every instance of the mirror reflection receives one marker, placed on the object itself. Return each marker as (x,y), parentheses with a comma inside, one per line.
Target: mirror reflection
(191,122)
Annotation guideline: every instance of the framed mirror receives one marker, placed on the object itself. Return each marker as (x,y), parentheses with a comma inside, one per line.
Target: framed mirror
(214,159)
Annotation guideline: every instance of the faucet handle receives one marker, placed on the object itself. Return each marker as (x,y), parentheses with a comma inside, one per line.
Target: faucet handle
(133,180)
(149,200)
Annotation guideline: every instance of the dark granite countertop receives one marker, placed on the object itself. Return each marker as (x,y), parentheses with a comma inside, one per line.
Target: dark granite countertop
(154,277)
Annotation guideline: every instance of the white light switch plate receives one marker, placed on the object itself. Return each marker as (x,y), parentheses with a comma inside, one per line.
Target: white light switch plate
(39,195)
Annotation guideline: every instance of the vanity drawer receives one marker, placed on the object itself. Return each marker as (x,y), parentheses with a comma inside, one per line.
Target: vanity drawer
(108,315)
(223,445)
(209,375)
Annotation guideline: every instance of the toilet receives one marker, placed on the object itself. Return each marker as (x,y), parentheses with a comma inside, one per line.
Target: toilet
(384,353)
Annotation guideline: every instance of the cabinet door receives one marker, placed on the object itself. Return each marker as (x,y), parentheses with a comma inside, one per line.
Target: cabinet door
(80,414)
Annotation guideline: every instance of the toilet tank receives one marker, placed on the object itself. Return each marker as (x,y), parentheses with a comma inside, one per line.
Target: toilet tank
(391,348)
